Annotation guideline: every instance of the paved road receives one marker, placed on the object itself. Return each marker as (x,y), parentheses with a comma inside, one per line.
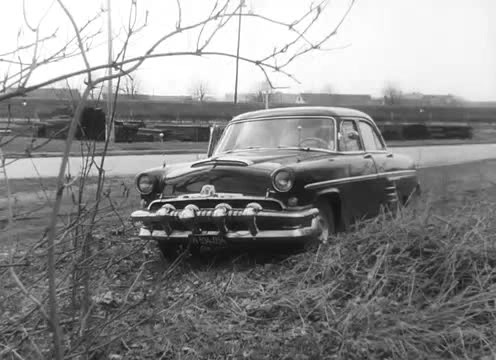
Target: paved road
(425,156)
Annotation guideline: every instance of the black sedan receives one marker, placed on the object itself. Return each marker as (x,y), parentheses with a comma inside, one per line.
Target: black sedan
(289,175)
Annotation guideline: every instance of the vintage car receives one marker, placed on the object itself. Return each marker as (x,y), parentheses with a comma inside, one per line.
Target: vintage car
(280,176)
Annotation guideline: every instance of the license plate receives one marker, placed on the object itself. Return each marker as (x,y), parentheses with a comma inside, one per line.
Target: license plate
(210,240)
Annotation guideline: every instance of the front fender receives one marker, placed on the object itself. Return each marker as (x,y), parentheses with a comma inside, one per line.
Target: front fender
(339,206)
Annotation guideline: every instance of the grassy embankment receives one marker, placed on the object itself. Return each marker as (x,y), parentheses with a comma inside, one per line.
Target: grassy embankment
(421,285)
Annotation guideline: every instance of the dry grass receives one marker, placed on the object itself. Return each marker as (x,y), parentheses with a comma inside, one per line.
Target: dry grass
(421,285)
(31,205)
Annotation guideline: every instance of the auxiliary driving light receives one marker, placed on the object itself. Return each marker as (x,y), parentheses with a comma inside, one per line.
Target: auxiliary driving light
(250,211)
(219,216)
(166,210)
(188,217)
(189,212)
(221,210)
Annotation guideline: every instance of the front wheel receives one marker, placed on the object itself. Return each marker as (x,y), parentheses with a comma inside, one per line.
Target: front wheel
(170,251)
(325,221)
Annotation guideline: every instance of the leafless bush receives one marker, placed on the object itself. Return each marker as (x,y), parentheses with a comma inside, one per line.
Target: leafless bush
(55,283)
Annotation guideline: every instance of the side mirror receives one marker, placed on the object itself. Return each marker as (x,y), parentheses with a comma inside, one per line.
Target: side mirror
(215,134)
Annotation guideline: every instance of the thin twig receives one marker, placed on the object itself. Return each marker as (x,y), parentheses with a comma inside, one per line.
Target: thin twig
(28,295)
(79,40)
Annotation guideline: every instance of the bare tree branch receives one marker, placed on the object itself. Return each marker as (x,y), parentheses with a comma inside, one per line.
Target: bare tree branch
(71,238)
(179,15)
(318,44)
(139,59)
(28,46)
(28,295)
(79,40)
(24,14)
(204,25)
(61,54)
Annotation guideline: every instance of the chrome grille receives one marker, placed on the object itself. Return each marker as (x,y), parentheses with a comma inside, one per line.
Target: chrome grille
(211,203)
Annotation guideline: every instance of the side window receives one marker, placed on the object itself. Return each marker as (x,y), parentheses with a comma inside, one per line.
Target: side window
(350,140)
(370,138)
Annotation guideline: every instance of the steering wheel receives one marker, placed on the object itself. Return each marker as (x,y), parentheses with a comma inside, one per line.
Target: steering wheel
(316,139)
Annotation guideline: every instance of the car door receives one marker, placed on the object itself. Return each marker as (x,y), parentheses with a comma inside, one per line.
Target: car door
(389,171)
(359,189)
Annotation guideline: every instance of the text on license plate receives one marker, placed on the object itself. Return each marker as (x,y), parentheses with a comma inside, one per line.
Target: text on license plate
(207,239)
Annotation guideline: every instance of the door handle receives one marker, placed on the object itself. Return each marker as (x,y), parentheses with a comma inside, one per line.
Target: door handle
(367,156)
(390,155)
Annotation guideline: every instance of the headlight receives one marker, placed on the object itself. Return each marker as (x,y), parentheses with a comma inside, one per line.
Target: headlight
(145,184)
(283,180)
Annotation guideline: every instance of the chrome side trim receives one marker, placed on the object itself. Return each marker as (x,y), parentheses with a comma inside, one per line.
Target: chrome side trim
(393,175)
(396,175)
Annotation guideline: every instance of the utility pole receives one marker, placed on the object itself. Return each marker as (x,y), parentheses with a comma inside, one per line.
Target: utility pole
(109,128)
(241,4)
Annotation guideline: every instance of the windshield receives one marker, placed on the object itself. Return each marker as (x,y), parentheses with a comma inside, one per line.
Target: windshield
(314,133)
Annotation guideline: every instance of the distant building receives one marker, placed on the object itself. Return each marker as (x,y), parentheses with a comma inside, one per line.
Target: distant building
(54,94)
(479,103)
(283,98)
(157,98)
(419,99)
(441,100)
(322,99)
(242,97)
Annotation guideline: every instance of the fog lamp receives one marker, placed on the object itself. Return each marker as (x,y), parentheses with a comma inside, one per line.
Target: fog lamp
(293,201)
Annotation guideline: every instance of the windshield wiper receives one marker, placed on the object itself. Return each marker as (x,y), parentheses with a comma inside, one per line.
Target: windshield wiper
(294,147)
(301,148)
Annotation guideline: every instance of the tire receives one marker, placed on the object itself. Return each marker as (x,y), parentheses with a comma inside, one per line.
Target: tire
(326,221)
(195,250)
(169,251)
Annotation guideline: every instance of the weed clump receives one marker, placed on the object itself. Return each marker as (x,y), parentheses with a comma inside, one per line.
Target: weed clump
(419,285)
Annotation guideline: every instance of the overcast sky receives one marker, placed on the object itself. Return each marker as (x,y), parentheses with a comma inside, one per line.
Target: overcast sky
(430,46)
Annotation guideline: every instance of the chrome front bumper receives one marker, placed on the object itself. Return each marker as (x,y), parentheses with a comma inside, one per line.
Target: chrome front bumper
(233,225)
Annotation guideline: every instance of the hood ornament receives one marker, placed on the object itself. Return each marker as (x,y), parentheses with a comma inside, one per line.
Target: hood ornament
(208,190)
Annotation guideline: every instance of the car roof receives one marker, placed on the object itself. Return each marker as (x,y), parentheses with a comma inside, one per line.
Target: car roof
(302,111)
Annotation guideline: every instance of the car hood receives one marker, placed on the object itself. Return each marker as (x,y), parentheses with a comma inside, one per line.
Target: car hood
(247,172)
